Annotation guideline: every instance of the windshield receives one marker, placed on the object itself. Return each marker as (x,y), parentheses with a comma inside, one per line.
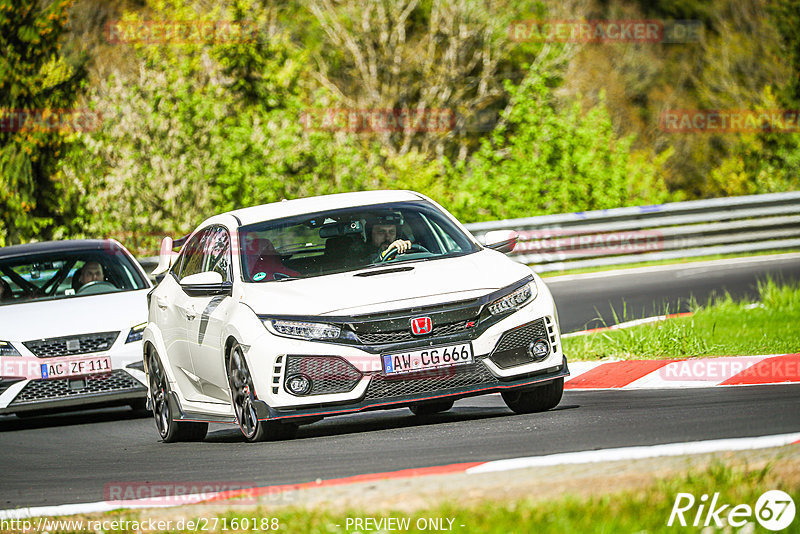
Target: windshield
(72,274)
(349,239)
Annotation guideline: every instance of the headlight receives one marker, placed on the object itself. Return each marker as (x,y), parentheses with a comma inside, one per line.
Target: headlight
(304,330)
(515,299)
(7,349)
(136,333)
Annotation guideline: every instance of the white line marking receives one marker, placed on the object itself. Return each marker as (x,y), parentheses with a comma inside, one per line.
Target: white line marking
(635,453)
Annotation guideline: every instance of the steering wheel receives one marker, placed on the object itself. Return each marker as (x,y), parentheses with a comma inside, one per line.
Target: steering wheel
(98,286)
(391,253)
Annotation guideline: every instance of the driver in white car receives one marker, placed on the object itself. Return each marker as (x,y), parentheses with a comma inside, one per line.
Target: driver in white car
(384,237)
(91,271)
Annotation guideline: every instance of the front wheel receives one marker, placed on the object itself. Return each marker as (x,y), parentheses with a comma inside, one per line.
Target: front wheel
(538,399)
(243,398)
(168,428)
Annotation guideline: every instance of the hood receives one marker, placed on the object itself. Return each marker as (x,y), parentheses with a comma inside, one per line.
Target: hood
(427,283)
(80,315)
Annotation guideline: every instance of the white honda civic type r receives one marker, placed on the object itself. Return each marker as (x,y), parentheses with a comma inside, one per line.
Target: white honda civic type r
(282,314)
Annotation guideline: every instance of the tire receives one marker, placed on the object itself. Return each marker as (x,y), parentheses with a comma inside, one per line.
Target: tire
(169,429)
(430,408)
(242,399)
(538,399)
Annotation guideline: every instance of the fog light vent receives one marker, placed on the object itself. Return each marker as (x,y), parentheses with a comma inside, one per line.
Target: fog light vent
(298,384)
(539,349)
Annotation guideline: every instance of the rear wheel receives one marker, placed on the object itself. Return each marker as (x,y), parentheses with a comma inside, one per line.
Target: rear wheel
(168,428)
(538,399)
(243,398)
(430,408)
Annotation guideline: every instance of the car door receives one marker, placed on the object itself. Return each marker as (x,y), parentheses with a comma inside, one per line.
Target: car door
(206,330)
(179,313)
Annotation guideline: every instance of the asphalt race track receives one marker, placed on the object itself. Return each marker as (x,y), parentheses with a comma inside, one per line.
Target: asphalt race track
(70,458)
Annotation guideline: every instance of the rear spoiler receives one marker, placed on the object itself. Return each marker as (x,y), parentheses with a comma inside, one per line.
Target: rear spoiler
(167,254)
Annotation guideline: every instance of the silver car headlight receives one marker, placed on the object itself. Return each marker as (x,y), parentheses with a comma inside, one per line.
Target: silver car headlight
(303,330)
(7,349)
(514,300)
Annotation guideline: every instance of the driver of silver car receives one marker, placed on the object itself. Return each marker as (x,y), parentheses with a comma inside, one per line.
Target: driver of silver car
(91,271)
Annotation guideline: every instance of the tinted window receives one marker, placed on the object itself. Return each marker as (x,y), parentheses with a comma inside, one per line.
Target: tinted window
(68,274)
(217,251)
(192,256)
(341,240)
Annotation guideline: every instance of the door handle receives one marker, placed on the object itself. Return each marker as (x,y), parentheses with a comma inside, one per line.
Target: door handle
(161,302)
(190,312)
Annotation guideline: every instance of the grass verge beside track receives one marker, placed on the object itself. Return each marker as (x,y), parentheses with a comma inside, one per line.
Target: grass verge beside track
(722,327)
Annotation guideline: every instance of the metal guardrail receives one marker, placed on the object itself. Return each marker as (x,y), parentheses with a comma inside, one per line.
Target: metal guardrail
(646,233)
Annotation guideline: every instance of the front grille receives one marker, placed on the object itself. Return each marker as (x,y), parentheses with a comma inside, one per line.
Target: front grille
(328,374)
(512,349)
(429,381)
(398,336)
(71,345)
(57,389)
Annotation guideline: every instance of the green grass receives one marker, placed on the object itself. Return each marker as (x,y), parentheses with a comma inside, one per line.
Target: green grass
(604,511)
(664,262)
(722,327)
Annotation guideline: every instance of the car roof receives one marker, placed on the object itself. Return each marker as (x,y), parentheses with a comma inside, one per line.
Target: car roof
(46,247)
(291,208)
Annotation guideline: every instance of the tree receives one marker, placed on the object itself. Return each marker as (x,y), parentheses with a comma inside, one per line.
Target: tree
(39,86)
(546,159)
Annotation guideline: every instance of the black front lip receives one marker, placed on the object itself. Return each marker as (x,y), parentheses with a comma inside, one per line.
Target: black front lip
(80,402)
(266,412)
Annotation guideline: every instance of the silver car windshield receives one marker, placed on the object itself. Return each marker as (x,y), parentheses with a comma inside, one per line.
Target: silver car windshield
(343,240)
(72,274)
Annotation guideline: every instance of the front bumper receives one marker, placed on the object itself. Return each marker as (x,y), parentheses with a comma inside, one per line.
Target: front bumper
(386,393)
(114,388)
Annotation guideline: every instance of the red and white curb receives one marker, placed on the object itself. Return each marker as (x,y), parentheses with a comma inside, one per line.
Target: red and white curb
(469,468)
(685,373)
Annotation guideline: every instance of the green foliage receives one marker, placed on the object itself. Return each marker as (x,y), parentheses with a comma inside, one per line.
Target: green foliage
(35,197)
(546,159)
(193,129)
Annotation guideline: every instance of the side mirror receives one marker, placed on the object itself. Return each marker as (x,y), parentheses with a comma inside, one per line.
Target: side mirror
(207,284)
(165,258)
(501,240)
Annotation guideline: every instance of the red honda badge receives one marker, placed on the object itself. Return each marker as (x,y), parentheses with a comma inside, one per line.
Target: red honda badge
(421,326)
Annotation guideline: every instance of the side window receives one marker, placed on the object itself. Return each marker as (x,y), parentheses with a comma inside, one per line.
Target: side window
(217,251)
(192,256)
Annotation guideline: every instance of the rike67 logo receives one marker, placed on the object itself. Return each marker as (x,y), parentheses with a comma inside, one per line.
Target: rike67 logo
(774,510)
